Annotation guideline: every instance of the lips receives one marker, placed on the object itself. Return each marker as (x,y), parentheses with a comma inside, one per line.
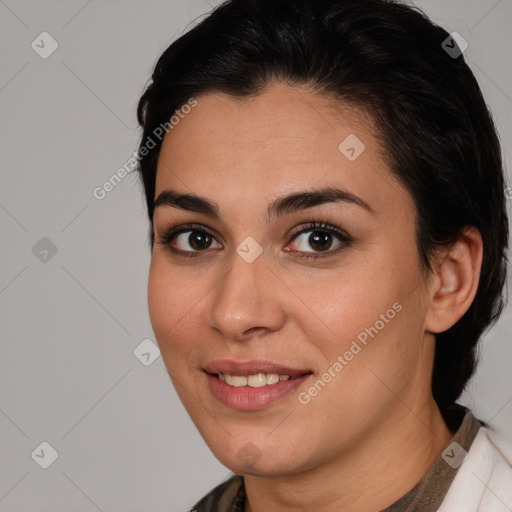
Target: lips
(238,392)
(247,368)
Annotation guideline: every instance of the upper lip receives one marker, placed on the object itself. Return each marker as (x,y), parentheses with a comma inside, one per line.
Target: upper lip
(244,368)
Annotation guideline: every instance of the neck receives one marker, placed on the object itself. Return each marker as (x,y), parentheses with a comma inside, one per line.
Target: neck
(367,477)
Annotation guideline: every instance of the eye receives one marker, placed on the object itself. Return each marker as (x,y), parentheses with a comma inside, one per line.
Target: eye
(190,240)
(187,240)
(321,238)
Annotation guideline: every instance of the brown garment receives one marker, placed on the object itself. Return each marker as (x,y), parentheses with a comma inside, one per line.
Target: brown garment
(425,496)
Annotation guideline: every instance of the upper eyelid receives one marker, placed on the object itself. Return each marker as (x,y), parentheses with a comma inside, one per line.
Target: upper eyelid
(306,226)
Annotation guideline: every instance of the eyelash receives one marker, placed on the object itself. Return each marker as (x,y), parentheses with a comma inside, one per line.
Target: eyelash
(345,239)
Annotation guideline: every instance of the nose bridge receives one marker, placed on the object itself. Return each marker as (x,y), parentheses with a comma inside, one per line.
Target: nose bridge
(244,298)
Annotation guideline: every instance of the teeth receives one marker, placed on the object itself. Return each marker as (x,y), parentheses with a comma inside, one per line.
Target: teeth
(257,380)
(273,378)
(238,381)
(235,380)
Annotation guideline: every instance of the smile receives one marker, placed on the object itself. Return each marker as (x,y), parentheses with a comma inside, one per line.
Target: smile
(252,385)
(256,380)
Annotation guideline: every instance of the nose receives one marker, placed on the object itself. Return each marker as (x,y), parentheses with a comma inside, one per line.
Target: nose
(246,301)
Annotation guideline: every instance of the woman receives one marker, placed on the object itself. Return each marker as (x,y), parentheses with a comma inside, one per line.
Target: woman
(328,231)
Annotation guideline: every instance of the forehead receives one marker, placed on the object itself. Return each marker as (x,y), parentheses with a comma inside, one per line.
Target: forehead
(279,113)
(285,138)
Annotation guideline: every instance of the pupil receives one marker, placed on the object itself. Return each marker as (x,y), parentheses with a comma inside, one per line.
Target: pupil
(196,240)
(321,239)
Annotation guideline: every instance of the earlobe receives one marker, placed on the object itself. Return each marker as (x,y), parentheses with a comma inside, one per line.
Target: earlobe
(455,283)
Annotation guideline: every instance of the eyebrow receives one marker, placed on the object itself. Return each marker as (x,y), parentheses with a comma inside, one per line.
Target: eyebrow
(279,207)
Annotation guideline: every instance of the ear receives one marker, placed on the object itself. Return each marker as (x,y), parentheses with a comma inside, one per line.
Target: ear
(455,283)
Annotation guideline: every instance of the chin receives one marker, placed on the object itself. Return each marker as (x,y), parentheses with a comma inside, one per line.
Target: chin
(259,457)
(264,467)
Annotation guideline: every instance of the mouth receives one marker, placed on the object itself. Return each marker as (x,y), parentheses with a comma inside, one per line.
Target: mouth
(252,385)
(256,380)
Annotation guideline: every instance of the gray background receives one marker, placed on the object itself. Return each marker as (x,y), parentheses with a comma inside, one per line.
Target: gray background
(71,322)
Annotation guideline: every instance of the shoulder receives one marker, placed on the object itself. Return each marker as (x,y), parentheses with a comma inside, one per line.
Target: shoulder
(229,496)
(484,480)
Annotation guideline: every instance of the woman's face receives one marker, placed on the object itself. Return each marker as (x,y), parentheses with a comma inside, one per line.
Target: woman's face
(320,347)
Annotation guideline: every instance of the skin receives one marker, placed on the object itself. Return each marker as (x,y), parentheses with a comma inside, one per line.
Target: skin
(374,430)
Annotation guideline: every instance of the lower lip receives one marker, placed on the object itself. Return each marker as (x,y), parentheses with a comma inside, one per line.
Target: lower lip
(246,398)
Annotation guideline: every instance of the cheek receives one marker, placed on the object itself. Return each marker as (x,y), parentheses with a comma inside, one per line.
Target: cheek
(348,303)
(173,300)
(374,303)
